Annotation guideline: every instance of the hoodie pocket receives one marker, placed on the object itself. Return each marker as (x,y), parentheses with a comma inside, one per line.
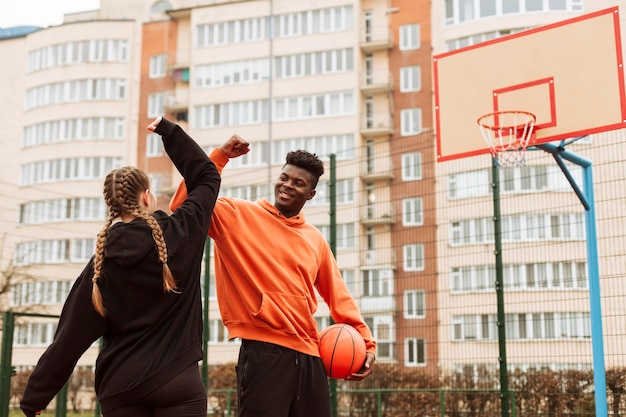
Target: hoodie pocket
(288,313)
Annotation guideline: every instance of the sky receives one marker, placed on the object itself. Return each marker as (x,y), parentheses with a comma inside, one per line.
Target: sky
(41,12)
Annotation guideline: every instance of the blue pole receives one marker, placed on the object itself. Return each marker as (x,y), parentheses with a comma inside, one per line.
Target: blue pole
(597,338)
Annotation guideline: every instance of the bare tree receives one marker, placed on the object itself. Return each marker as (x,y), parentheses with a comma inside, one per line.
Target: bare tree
(11,275)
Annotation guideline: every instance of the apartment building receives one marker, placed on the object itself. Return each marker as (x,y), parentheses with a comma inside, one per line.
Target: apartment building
(284,75)
(545,279)
(348,78)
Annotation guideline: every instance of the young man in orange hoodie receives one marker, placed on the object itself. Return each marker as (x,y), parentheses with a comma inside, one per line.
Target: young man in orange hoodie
(268,263)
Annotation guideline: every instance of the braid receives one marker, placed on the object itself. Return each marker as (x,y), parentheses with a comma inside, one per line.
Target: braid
(130,185)
(122,188)
(110,192)
(169,284)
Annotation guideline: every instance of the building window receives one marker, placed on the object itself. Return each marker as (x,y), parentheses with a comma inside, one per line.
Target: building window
(319,105)
(75,91)
(349,278)
(573,325)
(73,130)
(345,235)
(40,293)
(459,11)
(82,249)
(231,114)
(415,352)
(217,332)
(410,121)
(414,304)
(383,332)
(344,193)
(516,180)
(59,170)
(413,257)
(342,145)
(156,104)
(519,228)
(63,210)
(563,275)
(410,79)
(412,212)
(411,166)
(377,282)
(33,334)
(111,50)
(409,37)
(158,66)
(285,26)
(156,183)
(154,145)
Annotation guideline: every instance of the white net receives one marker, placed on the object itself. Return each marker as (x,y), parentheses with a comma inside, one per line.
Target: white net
(508,134)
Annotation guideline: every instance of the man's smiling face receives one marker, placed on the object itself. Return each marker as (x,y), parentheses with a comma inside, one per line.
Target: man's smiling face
(294,187)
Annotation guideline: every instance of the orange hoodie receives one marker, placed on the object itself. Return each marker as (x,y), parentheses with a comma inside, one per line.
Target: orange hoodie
(267,268)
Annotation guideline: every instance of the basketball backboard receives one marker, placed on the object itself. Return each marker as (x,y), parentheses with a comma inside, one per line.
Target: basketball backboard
(569,74)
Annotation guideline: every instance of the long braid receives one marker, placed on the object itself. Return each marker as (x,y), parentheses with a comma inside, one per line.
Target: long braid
(121,190)
(96,295)
(169,284)
(112,192)
(132,207)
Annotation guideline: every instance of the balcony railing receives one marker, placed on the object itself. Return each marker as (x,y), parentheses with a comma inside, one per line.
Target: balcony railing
(380,40)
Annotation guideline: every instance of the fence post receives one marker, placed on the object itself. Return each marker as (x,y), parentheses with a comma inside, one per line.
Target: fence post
(442,403)
(6,369)
(61,408)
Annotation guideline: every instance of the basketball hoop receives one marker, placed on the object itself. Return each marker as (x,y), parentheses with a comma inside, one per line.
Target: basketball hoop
(508,134)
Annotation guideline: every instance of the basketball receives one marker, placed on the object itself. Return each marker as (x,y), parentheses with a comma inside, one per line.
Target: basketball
(342,350)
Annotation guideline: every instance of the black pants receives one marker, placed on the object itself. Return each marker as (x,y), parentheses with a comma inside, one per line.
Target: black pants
(182,396)
(273,381)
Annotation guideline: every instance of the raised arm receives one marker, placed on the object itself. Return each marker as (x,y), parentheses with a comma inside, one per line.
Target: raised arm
(234,147)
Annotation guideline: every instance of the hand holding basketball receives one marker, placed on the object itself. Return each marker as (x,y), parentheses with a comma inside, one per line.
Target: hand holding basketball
(342,350)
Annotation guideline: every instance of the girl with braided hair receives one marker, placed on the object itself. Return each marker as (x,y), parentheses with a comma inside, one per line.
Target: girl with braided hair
(140,293)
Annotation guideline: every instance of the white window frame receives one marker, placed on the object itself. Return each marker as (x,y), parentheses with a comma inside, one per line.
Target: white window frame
(158,66)
(154,145)
(410,79)
(156,104)
(418,344)
(413,211)
(411,166)
(410,121)
(409,36)
(413,257)
(416,299)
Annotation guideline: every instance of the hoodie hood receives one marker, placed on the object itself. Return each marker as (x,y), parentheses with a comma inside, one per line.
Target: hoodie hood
(129,243)
(292,221)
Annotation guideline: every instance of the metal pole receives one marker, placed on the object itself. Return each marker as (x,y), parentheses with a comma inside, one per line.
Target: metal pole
(595,304)
(61,408)
(5,362)
(497,228)
(205,320)
(270,94)
(6,354)
(332,189)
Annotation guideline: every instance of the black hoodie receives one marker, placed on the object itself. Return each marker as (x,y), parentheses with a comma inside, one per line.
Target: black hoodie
(149,336)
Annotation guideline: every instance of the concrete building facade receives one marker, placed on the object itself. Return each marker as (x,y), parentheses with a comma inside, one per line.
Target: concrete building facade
(349,78)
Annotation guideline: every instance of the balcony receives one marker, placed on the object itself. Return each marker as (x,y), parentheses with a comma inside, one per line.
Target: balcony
(179,71)
(374,84)
(380,124)
(385,257)
(378,169)
(380,304)
(374,41)
(377,214)
(177,100)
